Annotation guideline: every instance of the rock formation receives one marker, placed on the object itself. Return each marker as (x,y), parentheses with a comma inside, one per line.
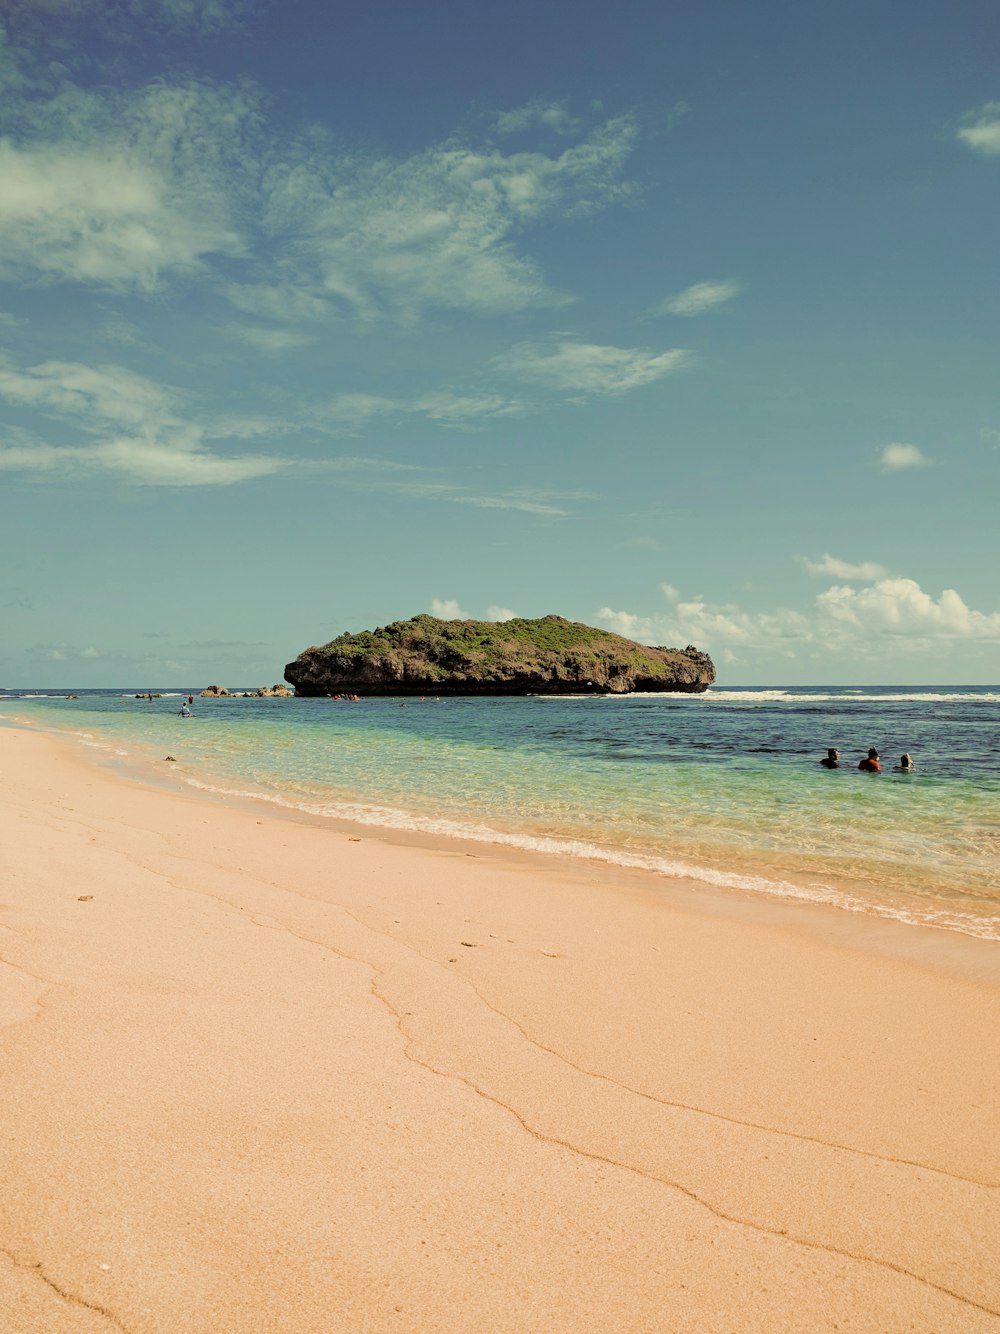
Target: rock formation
(263,692)
(551,656)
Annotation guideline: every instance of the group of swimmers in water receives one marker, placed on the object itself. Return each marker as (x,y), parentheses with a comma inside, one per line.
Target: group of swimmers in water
(871,764)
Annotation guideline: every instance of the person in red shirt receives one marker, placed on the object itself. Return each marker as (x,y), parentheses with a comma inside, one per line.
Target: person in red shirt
(871,764)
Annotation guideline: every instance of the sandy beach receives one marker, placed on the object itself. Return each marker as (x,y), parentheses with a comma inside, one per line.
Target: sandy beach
(263,1075)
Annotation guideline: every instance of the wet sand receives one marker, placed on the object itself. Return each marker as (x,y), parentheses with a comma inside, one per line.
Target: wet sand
(262,1075)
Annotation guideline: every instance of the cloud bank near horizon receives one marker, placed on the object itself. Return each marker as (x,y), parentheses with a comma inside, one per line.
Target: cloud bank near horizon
(872,621)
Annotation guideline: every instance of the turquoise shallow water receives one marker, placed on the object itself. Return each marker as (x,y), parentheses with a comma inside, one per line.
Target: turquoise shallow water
(724,786)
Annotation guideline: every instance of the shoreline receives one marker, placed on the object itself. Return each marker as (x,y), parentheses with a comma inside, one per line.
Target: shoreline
(838,906)
(265,1073)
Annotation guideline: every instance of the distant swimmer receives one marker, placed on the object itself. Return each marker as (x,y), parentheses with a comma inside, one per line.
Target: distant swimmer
(831,760)
(905,765)
(871,764)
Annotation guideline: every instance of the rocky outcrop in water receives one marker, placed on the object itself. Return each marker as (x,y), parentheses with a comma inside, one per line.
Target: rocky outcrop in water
(550,656)
(263,692)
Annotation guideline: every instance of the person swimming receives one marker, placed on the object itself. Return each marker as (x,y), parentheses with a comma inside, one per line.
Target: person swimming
(871,765)
(831,760)
(905,765)
(184,711)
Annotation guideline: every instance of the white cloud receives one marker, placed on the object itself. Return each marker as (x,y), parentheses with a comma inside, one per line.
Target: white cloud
(870,622)
(105,393)
(670,593)
(706,625)
(144,462)
(126,190)
(589,368)
(981,132)
(699,299)
(154,464)
(894,607)
(90,652)
(495,613)
(550,115)
(437,229)
(447,609)
(897,456)
(842,569)
(990,437)
(119,190)
(135,432)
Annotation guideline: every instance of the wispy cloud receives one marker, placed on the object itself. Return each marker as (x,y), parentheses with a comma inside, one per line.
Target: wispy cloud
(456,494)
(134,427)
(126,21)
(131,189)
(590,368)
(981,129)
(101,393)
(898,456)
(119,190)
(63,652)
(699,299)
(464,409)
(353,411)
(551,115)
(436,230)
(140,461)
(495,613)
(271,340)
(843,569)
(421,484)
(287,300)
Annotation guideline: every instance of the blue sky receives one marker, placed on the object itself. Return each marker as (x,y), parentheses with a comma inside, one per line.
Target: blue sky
(677,319)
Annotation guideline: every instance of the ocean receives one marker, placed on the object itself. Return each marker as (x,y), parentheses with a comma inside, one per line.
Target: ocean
(724,787)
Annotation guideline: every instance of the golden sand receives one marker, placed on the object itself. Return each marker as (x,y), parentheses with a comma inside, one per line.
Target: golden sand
(266,1077)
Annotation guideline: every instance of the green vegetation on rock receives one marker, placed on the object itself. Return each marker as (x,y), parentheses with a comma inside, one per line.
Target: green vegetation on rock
(546,656)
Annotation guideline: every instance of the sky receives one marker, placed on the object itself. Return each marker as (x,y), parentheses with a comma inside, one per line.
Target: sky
(675,319)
